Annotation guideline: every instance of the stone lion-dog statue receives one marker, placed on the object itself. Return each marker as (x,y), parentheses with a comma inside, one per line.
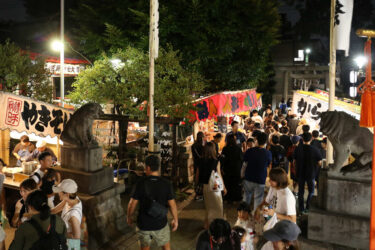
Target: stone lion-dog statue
(347,137)
(78,130)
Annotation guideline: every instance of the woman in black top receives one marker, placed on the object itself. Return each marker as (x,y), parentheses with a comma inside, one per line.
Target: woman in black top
(212,197)
(232,162)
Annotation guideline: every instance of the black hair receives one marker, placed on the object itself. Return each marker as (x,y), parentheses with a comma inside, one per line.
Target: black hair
(262,138)
(243,206)
(255,133)
(255,111)
(276,127)
(153,162)
(240,231)
(257,125)
(315,134)
(234,123)
(284,130)
(51,173)
(43,155)
(305,128)
(275,139)
(250,140)
(200,136)
(220,228)
(306,137)
(324,140)
(218,135)
(28,184)
(38,200)
(231,141)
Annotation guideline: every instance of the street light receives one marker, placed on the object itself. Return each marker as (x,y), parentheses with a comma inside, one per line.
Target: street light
(307,52)
(360,61)
(57,45)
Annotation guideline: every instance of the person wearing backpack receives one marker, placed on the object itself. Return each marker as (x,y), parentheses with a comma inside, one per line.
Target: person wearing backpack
(154,194)
(71,211)
(278,153)
(43,231)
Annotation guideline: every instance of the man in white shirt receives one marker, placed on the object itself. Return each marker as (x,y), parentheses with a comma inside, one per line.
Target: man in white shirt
(45,160)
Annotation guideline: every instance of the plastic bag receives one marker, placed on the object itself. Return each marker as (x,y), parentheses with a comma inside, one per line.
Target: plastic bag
(216,183)
(270,223)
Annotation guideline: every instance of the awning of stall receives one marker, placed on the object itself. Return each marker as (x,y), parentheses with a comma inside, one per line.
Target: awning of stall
(226,103)
(23,115)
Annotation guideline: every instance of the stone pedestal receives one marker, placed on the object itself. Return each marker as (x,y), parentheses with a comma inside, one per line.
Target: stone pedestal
(341,212)
(88,159)
(106,220)
(89,183)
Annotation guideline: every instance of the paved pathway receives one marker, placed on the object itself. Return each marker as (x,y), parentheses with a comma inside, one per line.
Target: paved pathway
(190,224)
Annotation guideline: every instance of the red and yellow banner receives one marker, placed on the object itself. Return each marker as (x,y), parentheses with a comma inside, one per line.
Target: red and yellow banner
(226,103)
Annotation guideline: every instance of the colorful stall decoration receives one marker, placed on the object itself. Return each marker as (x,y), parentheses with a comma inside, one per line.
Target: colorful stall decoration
(226,103)
(23,114)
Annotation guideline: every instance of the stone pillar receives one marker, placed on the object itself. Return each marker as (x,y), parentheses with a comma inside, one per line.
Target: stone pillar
(286,86)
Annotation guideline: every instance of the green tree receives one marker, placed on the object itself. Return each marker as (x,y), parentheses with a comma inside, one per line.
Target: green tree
(229,41)
(19,73)
(126,85)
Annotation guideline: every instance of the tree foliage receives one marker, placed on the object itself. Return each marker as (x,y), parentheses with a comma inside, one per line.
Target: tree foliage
(19,73)
(229,41)
(126,85)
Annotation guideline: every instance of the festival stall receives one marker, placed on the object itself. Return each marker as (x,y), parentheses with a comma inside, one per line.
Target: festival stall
(309,105)
(21,115)
(215,112)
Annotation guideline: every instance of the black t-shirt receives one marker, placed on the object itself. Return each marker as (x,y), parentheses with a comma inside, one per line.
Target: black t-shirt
(205,170)
(307,158)
(159,190)
(232,158)
(285,141)
(278,155)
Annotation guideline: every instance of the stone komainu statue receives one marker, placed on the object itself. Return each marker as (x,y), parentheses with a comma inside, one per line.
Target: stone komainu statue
(78,130)
(347,137)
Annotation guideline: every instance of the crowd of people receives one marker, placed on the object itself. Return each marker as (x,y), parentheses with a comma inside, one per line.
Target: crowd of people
(253,169)
(41,222)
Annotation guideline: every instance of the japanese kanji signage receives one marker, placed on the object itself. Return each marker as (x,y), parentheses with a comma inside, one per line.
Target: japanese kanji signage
(310,105)
(226,103)
(69,69)
(25,114)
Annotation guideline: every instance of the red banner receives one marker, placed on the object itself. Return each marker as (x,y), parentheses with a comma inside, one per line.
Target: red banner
(225,103)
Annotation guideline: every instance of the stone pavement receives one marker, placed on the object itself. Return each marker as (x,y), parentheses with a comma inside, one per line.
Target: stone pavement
(191,220)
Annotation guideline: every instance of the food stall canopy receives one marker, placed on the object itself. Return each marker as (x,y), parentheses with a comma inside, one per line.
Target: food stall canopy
(310,105)
(23,114)
(226,103)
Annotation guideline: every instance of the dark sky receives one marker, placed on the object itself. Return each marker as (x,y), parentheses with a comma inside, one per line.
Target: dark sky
(12,10)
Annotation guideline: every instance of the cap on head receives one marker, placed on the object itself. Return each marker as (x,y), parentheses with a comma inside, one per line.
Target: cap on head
(283,230)
(67,186)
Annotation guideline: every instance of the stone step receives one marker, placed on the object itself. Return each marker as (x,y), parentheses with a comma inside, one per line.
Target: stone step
(307,244)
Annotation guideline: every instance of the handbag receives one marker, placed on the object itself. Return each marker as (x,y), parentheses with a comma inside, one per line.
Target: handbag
(156,209)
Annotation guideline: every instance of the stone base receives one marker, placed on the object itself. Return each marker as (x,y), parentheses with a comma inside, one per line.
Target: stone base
(89,183)
(83,159)
(343,195)
(306,244)
(106,220)
(340,229)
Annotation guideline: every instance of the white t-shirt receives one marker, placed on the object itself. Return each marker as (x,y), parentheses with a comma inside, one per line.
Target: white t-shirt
(35,177)
(283,201)
(248,226)
(69,212)
(257,119)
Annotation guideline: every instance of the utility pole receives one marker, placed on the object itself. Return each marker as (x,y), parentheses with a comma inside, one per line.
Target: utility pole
(154,48)
(62,85)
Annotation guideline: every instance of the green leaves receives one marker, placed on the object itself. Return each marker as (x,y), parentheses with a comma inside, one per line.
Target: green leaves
(19,72)
(128,86)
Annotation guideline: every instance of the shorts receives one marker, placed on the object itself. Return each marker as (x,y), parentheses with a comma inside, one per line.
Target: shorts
(161,237)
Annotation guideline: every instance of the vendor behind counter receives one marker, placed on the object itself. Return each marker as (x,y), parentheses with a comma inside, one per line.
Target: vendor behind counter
(23,149)
(41,147)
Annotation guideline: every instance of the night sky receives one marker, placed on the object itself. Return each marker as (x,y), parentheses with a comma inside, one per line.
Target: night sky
(12,10)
